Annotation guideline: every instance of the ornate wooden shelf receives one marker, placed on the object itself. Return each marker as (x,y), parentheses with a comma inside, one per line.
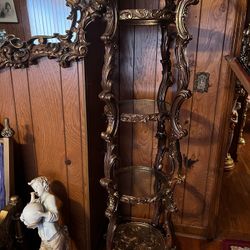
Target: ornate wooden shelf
(140,184)
(143,110)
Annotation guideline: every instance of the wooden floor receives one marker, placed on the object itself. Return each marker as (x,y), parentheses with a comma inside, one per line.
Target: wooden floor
(234,214)
(235,197)
(196,244)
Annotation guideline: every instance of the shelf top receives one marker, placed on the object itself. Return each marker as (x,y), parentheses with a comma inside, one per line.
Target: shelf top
(143,110)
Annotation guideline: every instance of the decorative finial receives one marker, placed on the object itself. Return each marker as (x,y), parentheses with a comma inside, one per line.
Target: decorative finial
(7,132)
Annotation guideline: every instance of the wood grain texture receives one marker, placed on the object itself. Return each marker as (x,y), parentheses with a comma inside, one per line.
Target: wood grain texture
(234,219)
(144,87)
(184,243)
(225,95)
(26,149)
(211,39)
(7,105)
(72,130)
(48,126)
(193,24)
(126,92)
(84,151)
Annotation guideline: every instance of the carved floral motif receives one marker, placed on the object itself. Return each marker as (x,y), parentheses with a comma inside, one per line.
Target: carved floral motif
(245,49)
(70,47)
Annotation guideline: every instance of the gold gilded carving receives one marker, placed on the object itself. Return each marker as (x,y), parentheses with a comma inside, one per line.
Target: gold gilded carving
(138,236)
(245,49)
(7,131)
(69,47)
(144,14)
(128,236)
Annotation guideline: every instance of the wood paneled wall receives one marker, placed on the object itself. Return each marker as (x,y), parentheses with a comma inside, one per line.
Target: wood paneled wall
(55,115)
(46,108)
(216,27)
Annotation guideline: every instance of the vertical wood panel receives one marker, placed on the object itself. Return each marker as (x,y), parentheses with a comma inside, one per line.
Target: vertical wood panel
(71,108)
(27,152)
(144,87)
(126,92)
(7,109)
(84,149)
(193,24)
(233,31)
(204,105)
(48,125)
(7,105)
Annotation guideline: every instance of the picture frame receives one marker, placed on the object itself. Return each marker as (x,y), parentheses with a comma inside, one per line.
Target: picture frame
(8,12)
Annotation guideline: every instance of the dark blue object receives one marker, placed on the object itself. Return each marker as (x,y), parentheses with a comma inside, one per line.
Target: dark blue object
(2,189)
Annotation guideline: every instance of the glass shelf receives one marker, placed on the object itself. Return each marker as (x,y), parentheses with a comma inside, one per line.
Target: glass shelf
(137,235)
(143,110)
(140,184)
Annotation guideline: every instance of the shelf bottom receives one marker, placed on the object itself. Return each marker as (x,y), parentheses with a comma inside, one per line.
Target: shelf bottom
(138,236)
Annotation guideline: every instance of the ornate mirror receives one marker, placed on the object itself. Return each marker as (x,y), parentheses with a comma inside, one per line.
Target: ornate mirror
(48,39)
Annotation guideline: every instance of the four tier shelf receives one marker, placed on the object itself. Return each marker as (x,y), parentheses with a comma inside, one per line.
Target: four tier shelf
(157,232)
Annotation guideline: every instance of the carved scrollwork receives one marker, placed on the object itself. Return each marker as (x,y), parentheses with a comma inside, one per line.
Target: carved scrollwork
(144,14)
(245,49)
(181,13)
(70,47)
(136,235)
(139,118)
(111,210)
(183,37)
(178,131)
(111,109)
(113,196)
(7,131)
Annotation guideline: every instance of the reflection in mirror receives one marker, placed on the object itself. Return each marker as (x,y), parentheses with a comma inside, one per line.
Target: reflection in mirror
(47,17)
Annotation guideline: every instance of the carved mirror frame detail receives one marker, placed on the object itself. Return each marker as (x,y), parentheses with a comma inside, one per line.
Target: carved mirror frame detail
(70,47)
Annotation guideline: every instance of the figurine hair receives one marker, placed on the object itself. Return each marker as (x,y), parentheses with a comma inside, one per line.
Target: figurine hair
(43,180)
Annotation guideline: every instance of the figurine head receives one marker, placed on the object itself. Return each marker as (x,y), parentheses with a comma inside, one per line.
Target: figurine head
(40,185)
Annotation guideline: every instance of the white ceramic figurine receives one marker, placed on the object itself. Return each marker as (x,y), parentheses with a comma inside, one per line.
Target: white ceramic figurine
(42,213)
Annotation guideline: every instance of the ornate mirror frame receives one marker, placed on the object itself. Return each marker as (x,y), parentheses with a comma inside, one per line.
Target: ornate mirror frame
(70,47)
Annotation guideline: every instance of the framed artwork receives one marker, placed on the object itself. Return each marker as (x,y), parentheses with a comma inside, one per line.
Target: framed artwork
(7,12)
